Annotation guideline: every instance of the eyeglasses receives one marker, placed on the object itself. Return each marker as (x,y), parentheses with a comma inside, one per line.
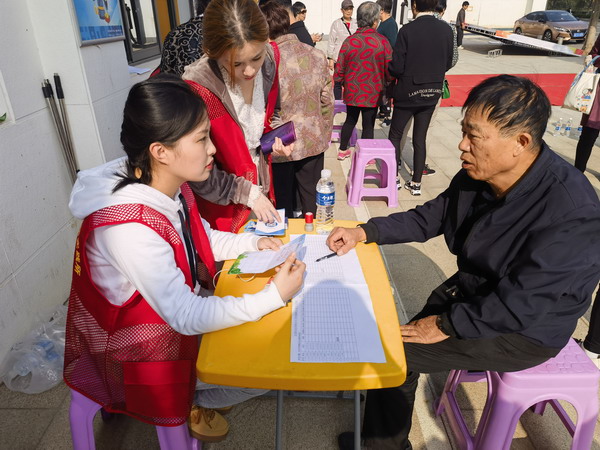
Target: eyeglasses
(303,11)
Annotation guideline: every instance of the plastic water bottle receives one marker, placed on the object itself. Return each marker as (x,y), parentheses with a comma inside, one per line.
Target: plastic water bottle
(578,132)
(557,127)
(325,203)
(567,131)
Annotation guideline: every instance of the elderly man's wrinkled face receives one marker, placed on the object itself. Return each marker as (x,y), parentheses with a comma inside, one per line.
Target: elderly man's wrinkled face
(487,155)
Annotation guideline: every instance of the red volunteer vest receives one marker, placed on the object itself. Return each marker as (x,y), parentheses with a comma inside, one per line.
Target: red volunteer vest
(233,155)
(126,357)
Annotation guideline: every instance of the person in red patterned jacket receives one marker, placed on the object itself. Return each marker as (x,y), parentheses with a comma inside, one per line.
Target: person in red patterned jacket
(362,69)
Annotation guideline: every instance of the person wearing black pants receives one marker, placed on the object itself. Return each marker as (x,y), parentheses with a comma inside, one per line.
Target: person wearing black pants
(422,118)
(584,147)
(591,344)
(419,64)
(528,256)
(368,124)
(299,177)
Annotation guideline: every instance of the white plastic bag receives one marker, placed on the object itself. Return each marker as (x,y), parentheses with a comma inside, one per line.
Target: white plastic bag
(582,92)
(36,364)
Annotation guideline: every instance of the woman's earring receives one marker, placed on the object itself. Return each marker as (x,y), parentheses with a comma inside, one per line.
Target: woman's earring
(137,172)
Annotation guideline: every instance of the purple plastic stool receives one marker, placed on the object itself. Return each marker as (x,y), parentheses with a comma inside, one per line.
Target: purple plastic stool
(569,376)
(336,133)
(81,416)
(366,150)
(339,106)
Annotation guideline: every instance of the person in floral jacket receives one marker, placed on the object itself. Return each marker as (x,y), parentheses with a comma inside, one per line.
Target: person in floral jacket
(306,99)
(362,69)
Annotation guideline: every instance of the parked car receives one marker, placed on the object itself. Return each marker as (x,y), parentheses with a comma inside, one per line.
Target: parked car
(551,25)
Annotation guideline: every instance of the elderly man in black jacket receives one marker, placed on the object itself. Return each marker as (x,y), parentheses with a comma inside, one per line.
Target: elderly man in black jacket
(525,227)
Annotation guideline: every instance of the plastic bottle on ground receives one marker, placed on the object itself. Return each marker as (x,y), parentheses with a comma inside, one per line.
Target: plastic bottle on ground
(567,130)
(557,127)
(325,203)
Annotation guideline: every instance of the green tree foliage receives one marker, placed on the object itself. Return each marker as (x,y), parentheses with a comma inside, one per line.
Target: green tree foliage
(579,8)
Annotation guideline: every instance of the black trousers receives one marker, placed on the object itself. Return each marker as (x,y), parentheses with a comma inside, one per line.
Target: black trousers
(388,412)
(459,36)
(422,118)
(297,177)
(368,123)
(592,340)
(584,147)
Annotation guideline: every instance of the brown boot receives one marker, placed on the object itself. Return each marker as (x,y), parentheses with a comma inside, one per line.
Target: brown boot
(207,425)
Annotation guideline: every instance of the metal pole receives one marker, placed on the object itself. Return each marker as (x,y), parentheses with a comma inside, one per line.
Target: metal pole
(279,420)
(356,420)
(65,120)
(49,95)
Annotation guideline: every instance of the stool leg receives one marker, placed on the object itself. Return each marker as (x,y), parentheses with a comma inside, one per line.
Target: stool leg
(587,415)
(177,438)
(358,173)
(498,423)
(81,417)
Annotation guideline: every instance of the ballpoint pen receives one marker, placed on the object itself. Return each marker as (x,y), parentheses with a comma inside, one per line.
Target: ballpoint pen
(326,256)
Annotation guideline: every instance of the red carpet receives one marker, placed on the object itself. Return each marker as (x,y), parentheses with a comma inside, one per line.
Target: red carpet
(555,85)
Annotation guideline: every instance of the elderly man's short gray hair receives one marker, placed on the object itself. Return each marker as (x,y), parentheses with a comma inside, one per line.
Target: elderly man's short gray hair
(367,14)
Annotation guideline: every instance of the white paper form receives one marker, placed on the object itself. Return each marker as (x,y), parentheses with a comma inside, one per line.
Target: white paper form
(332,317)
(261,261)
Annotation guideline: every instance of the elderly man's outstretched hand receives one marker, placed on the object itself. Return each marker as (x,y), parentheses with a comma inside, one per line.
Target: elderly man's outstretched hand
(342,240)
(423,331)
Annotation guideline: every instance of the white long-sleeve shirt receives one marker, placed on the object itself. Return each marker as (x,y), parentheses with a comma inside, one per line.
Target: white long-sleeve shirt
(128,257)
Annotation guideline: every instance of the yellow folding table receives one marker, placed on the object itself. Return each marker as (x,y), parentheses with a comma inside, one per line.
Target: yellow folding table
(257,354)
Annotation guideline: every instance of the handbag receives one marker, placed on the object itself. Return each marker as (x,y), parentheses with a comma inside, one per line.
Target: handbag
(582,92)
(445,89)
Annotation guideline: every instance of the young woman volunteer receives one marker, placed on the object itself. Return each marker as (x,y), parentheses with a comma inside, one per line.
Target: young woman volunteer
(145,264)
(237,79)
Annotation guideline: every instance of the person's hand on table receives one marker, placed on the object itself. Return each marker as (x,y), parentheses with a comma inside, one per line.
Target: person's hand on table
(289,278)
(269,243)
(423,331)
(342,240)
(282,150)
(265,210)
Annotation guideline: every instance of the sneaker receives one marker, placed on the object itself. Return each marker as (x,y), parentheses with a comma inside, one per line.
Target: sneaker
(207,425)
(398,183)
(461,47)
(428,170)
(386,123)
(595,357)
(343,154)
(413,188)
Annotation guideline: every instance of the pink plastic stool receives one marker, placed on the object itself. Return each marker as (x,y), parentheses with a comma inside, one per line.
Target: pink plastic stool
(569,376)
(336,133)
(366,150)
(81,416)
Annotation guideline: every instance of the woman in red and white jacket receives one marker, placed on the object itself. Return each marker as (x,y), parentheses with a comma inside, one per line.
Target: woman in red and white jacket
(144,268)
(237,79)
(362,69)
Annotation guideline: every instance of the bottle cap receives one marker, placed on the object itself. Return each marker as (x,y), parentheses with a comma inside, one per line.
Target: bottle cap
(325,173)
(308,217)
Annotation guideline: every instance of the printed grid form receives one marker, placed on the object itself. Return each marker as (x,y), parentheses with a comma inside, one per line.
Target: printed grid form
(325,326)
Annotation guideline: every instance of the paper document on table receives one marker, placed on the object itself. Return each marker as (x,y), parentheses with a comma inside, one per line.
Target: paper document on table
(261,261)
(332,317)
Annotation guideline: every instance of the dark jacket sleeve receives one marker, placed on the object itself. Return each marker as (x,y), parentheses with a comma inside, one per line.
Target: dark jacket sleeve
(397,64)
(223,188)
(552,268)
(417,225)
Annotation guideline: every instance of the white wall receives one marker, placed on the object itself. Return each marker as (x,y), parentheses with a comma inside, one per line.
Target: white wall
(37,231)
(487,13)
